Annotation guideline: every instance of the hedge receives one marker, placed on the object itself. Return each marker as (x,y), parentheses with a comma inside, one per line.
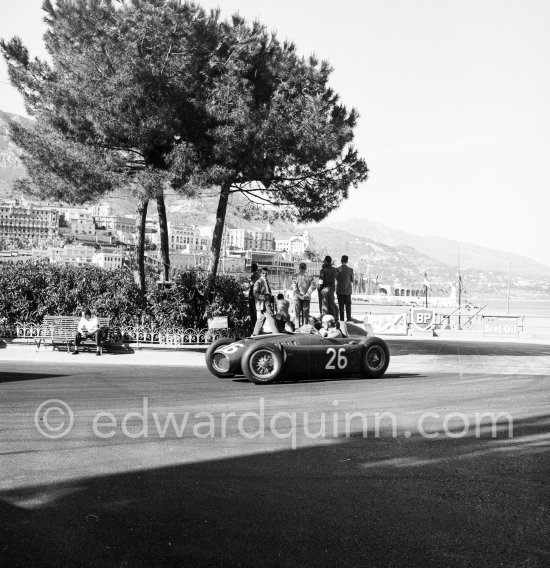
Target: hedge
(30,290)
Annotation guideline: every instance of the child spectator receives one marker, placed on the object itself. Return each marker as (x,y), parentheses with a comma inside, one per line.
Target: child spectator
(282,315)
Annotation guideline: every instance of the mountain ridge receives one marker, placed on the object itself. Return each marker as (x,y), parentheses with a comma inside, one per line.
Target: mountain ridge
(444,249)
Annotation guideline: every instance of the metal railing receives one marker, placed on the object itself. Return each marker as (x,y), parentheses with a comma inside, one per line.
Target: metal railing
(172,336)
(135,334)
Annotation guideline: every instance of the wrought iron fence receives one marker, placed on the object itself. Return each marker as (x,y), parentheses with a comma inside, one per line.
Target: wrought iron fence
(173,336)
(130,334)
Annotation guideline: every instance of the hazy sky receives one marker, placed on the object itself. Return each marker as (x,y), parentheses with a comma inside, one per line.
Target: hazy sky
(453,99)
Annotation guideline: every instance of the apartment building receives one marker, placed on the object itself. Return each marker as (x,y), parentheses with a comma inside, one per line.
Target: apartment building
(189,239)
(108,259)
(238,239)
(79,223)
(27,220)
(295,246)
(79,255)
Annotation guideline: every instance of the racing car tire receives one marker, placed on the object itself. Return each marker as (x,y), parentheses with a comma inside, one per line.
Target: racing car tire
(375,359)
(210,352)
(262,364)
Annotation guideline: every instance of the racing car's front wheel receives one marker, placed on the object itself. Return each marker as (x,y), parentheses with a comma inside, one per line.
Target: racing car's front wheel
(376,358)
(218,363)
(262,364)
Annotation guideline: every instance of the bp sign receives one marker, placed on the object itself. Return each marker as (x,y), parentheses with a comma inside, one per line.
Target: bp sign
(423,318)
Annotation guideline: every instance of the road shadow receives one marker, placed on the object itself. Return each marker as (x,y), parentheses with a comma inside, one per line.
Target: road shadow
(353,378)
(359,501)
(121,350)
(334,379)
(12,376)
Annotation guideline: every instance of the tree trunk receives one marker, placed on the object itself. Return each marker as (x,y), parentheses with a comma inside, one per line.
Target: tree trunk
(164,240)
(217,236)
(140,245)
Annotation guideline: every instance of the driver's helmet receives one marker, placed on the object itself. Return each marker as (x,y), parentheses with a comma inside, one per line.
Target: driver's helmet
(328,319)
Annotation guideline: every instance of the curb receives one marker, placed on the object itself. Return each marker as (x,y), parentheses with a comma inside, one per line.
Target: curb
(25,344)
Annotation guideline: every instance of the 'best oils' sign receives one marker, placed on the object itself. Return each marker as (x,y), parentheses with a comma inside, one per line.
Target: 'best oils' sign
(501,326)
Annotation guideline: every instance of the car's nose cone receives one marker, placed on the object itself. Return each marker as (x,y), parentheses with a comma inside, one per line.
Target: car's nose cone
(220,362)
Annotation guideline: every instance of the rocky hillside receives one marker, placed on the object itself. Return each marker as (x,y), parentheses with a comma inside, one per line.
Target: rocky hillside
(406,264)
(9,152)
(11,167)
(445,250)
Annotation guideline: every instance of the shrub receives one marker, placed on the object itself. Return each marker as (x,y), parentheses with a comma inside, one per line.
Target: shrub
(30,290)
(184,304)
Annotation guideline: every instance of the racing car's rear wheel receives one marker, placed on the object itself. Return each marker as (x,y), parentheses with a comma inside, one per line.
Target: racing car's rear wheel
(376,358)
(218,363)
(262,364)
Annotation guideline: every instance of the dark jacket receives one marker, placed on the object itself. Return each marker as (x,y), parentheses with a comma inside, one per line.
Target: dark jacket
(344,280)
(328,276)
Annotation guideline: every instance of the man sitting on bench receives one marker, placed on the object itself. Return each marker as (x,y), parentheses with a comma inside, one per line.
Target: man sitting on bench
(88,328)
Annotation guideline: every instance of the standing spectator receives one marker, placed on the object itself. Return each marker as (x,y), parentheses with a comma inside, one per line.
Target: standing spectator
(344,281)
(88,328)
(327,288)
(281,316)
(264,299)
(303,287)
(251,301)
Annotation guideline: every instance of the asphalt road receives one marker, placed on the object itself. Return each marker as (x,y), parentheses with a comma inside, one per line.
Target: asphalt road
(399,471)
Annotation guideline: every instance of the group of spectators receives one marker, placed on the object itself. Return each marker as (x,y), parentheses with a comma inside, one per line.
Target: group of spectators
(332,281)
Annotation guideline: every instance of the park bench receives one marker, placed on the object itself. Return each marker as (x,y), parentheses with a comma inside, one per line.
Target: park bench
(61,330)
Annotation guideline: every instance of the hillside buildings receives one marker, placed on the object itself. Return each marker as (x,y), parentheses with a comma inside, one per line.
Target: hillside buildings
(117,223)
(110,259)
(181,261)
(245,239)
(79,255)
(295,246)
(238,239)
(86,228)
(185,238)
(23,220)
(80,223)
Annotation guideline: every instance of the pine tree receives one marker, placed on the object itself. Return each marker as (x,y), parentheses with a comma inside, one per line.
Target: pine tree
(279,134)
(121,93)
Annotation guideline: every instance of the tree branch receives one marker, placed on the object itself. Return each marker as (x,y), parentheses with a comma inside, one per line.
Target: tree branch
(166,59)
(266,200)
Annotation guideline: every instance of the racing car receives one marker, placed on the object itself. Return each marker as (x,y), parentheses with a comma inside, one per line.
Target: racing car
(264,359)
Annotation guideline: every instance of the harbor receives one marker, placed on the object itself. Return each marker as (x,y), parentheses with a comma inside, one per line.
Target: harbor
(532,316)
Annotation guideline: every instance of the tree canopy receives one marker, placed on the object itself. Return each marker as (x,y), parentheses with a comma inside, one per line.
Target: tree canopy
(156,94)
(120,93)
(280,132)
